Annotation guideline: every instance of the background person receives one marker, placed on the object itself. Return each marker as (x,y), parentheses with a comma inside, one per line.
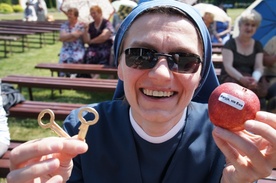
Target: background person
(270,72)
(41,10)
(223,31)
(4,129)
(99,38)
(243,57)
(208,19)
(29,12)
(161,132)
(71,36)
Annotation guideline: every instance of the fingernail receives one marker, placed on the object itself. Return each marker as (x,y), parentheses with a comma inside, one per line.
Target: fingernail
(218,130)
(249,125)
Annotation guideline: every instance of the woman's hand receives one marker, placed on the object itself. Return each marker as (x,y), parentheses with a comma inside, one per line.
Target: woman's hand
(45,159)
(250,154)
(249,82)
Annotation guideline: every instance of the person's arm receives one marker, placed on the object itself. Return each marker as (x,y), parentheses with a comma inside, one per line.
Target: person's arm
(228,59)
(71,36)
(105,35)
(226,31)
(269,60)
(61,8)
(251,153)
(258,67)
(86,35)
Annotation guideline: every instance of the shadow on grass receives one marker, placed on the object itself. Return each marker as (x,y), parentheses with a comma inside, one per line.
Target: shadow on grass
(67,96)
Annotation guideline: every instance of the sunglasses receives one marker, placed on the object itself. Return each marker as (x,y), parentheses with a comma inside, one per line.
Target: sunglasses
(142,58)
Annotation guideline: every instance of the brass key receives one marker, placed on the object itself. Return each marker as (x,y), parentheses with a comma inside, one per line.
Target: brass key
(85,124)
(52,124)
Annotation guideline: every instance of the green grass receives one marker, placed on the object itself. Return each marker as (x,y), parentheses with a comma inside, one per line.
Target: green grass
(23,64)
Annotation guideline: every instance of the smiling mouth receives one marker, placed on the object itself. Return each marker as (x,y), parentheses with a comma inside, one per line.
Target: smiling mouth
(159,94)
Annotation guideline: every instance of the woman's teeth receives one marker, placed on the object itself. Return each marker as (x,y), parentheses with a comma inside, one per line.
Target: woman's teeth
(155,93)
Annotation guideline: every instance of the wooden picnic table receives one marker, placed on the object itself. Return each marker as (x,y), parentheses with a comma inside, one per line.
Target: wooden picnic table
(79,84)
(40,30)
(41,40)
(78,68)
(33,23)
(22,34)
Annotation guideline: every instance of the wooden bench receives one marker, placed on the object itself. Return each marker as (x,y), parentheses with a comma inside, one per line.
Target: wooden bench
(7,43)
(78,68)
(98,69)
(53,24)
(23,36)
(4,160)
(216,48)
(83,84)
(31,109)
(41,33)
(38,29)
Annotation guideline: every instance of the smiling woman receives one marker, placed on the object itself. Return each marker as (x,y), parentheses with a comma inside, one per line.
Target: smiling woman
(154,139)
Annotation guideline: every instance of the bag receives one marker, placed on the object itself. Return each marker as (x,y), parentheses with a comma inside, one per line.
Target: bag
(10,96)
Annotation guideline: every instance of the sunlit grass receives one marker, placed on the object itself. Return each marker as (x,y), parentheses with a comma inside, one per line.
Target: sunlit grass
(23,63)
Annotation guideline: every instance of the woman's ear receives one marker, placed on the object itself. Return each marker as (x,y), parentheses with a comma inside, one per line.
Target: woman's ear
(120,71)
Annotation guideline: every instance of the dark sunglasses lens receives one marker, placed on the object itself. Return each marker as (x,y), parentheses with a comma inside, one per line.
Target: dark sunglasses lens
(187,64)
(139,58)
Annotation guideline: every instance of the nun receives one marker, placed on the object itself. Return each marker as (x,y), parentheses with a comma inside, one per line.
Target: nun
(156,129)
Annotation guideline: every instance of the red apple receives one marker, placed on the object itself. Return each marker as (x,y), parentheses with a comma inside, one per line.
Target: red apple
(230,105)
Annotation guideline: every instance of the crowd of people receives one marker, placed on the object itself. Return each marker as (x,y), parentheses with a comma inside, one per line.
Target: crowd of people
(90,43)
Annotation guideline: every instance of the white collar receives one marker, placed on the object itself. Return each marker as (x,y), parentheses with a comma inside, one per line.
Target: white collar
(160,139)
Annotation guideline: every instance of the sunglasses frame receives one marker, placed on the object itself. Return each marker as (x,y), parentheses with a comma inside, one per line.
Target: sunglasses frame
(148,58)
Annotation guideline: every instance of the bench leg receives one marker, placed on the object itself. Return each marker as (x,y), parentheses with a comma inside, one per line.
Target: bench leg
(30,93)
(53,36)
(5,48)
(10,45)
(52,93)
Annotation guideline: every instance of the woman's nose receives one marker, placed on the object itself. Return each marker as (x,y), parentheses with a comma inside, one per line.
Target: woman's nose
(161,70)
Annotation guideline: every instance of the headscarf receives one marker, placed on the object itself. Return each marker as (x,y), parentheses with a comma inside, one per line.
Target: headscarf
(209,79)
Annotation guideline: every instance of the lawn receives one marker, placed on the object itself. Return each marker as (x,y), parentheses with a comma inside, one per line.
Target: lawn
(23,64)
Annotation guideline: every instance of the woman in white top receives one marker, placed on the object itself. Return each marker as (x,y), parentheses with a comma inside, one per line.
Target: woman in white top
(4,129)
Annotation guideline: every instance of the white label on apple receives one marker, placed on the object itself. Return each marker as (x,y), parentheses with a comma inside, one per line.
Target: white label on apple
(231,100)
